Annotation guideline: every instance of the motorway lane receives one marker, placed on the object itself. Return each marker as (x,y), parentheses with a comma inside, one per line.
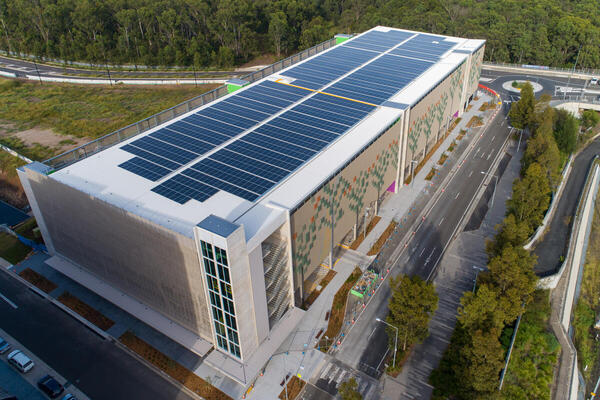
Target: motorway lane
(98,367)
(26,67)
(363,350)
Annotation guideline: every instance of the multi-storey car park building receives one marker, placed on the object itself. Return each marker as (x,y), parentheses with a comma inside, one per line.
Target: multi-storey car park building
(211,222)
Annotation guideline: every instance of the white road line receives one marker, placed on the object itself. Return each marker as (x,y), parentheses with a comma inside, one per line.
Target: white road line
(458,194)
(493,137)
(441,220)
(470,174)
(503,121)
(422,251)
(10,303)
(482,154)
(383,358)
(488,157)
(374,329)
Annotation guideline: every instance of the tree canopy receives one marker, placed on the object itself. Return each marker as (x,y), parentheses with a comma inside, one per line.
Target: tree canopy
(348,390)
(227,32)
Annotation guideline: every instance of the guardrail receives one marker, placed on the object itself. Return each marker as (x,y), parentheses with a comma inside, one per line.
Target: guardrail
(588,71)
(106,141)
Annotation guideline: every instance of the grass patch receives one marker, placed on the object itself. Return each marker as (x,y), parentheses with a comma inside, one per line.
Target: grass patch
(82,110)
(315,293)
(12,249)
(294,387)
(518,85)
(452,146)
(29,229)
(487,106)
(475,121)
(86,311)
(442,159)
(38,280)
(382,239)
(172,368)
(461,134)
(430,175)
(338,310)
(361,237)
(469,107)
(535,354)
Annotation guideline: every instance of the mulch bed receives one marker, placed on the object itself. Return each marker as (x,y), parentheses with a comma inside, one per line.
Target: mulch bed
(86,311)
(442,159)
(38,280)
(294,387)
(315,293)
(475,121)
(338,310)
(176,371)
(361,237)
(382,239)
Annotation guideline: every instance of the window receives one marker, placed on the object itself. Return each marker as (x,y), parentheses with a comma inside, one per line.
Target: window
(230,321)
(233,336)
(228,306)
(224,273)
(220,329)
(207,250)
(226,290)
(235,350)
(217,314)
(212,283)
(214,298)
(222,342)
(221,256)
(209,267)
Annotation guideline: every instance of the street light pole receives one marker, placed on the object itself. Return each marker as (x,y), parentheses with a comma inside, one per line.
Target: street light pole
(412,172)
(574,66)
(395,341)
(365,222)
(496,184)
(520,135)
(477,271)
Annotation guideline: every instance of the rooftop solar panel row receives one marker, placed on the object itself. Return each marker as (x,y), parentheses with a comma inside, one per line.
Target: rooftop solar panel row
(258,161)
(185,140)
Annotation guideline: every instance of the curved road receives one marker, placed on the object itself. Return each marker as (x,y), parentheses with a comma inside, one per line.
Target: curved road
(555,241)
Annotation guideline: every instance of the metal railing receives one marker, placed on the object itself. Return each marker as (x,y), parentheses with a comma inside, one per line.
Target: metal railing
(586,71)
(106,141)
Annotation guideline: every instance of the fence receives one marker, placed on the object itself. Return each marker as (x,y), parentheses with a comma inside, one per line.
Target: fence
(588,71)
(86,150)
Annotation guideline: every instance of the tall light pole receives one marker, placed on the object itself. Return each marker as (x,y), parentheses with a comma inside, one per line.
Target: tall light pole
(365,222)
(496,184)
(572,72)
(412,172)
(477,271)
(395,341)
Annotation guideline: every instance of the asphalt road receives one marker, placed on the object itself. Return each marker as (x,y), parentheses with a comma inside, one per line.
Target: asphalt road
(21,67)
(366,344)
(98,367)
(555,242)
(548,82)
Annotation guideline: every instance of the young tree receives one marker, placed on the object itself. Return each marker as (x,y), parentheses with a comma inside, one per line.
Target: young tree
(589,118)
(531,197)
(566,128)
(511,273)
(411,306)
(348,390)
(481,310)
(521,112)
(511,233)
(484,358)
(542,148)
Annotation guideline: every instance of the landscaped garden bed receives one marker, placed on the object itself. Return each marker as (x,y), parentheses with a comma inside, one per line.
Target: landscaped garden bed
(38,280)
(382,239)
(86,311)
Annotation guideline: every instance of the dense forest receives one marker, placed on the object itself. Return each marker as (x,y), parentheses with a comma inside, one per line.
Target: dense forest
(223,33)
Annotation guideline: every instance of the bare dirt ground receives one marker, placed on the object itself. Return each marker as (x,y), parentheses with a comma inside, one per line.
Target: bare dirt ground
(265,59)
(44,137)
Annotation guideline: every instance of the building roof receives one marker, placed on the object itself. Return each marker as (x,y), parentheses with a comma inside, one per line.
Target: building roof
(250,155)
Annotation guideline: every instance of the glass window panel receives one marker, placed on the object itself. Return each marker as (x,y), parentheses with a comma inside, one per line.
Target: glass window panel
(221,255)
(235,350)
(224,273)
(209,267)
(220,329)
(212,283)
(217,314)
(233,336)
(226,290)
(228,306)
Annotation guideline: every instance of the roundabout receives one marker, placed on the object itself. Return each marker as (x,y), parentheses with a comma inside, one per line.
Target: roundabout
(508,86)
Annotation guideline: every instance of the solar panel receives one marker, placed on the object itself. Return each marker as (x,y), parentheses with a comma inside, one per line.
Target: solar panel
(251,166)
(181,142)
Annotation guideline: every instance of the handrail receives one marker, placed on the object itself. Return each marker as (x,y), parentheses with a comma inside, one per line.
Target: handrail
(110,139)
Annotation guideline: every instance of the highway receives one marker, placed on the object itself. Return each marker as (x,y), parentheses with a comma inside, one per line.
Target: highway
(98,367)
(366,344)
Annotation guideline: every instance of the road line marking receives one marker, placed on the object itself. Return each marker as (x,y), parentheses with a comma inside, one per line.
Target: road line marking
(458,194)
(442,220)
(493,137)
(470,174)
(374,329)
(503,121)
(422,251)
(10,303)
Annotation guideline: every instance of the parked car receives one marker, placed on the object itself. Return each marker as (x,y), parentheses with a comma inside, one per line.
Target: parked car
(20,361)
(594,81)
(4,346)
(68,396)
(50,386)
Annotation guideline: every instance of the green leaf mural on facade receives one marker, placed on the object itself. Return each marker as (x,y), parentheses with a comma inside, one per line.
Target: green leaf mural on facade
(428,124)
(475,71)
(357,191)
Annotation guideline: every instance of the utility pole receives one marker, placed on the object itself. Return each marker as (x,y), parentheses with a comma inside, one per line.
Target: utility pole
(194,69)
(38,72)
(477,271)
(395,341)
(412,172)
(108,72)
(573,71)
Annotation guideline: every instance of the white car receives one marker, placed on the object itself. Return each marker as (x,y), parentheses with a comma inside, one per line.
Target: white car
(20,361)
(594,81)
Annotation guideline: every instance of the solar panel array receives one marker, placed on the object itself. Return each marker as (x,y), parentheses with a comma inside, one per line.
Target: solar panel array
(175,145)
(261,157)
(253,164)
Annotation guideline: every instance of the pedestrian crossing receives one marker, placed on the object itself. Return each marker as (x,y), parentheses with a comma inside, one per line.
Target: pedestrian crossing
(334,373)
